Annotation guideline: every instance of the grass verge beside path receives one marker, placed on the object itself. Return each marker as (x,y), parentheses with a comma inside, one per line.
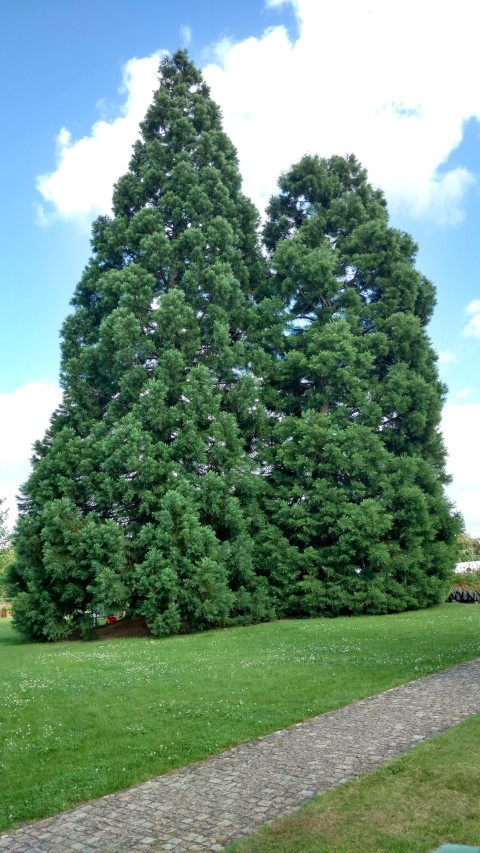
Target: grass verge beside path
(412,804)
(80,720)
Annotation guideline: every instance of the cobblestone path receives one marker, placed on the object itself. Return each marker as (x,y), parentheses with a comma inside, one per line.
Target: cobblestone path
(204,806)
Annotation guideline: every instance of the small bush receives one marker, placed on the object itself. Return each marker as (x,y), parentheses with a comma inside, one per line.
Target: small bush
(466,580)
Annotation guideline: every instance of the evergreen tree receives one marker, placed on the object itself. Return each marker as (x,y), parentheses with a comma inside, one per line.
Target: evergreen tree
(235,444)
(143,494)
(359,464)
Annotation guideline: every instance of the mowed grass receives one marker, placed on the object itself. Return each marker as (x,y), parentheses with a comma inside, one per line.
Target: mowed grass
(412,804)
(80,720)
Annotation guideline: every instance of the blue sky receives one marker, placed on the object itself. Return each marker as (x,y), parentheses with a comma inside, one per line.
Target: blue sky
(395,84)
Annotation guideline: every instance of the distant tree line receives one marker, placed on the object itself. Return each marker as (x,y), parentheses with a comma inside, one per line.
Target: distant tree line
(468,548)
(249,426)
(6,550)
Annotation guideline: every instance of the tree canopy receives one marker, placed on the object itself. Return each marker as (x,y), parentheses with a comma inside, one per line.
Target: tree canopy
(357,483)
(245,432)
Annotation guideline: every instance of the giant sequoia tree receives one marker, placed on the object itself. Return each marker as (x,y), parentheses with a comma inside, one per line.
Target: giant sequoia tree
(237,438)
(359,464)
(143,493)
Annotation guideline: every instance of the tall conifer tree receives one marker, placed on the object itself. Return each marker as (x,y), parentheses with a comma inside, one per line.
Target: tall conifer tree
(143,494)
(357,481)
(232,444)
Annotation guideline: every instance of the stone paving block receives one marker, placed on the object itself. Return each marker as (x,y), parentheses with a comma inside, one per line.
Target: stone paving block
(205,806)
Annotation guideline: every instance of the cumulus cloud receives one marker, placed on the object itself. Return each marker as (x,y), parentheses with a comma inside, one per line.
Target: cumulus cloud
(391,83)
(472,329)
(81,185)
(25,417)
(460,430)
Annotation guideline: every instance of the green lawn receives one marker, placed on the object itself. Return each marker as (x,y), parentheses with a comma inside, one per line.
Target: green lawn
(79,720)
(413,804)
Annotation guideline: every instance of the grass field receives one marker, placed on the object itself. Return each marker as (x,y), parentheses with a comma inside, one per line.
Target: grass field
(413,804)
(79,720)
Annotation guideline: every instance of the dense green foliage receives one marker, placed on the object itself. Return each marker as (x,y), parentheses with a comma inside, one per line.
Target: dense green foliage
(80,720)
(143,494)
(241,436)
(359,464)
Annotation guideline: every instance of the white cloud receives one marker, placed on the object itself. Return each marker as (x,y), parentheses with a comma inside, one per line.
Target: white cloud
(25,415)
(460,427)
(472,329)
(186,35)
(464,392)
(446,356)
(81,185)
(391,83)
(363,77)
